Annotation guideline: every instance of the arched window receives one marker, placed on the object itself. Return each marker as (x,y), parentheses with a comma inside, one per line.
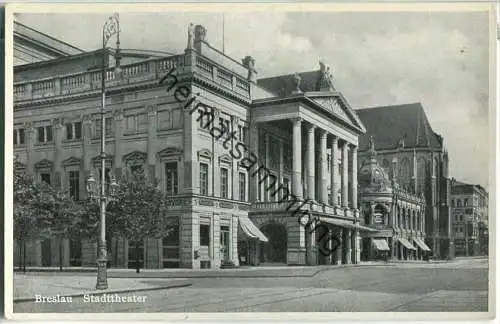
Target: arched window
(421,174)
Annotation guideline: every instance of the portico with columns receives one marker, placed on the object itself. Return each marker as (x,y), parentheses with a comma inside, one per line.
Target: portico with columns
(319,133)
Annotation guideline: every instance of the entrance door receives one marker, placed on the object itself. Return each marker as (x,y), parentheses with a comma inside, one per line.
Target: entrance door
(224,242)
(134,253)
(46,253)
(274,251)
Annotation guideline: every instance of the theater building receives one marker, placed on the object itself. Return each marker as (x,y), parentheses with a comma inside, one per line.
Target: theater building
(396,214)
(403,132)
(299,130)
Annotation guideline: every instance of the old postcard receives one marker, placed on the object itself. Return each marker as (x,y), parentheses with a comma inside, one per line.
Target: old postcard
(251,161)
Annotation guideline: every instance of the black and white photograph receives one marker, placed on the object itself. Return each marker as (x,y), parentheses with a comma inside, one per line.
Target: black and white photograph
(251,159)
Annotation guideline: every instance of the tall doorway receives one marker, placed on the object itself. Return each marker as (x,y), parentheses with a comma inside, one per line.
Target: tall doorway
(274,251)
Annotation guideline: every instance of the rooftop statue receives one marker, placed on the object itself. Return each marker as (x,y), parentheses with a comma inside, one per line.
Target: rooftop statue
(190,36)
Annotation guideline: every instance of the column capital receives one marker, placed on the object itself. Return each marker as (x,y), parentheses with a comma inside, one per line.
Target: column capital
(296,120)
(322,132)
(353,148)
(311,128)
(57,122)
(151,110)
(87,118)
(335,138)
(235,119)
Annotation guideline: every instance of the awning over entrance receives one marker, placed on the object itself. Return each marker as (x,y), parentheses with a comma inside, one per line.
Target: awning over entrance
(421,244)
(248,227)
(346,224)
(406,244)
(381,244)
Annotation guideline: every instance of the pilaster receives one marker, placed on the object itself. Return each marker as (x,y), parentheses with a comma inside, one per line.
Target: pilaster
(254,181)
(190,132)
(234,240)
(189,240)
(118,119)
(30,142)
(348,242)
(152,125)
(87,149)
(235,121)
(354,175)
(58,154)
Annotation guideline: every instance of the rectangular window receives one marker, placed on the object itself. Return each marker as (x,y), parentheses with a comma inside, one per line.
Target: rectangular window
(130,123)
(108,126)
(142,122)
(74,185)
(224,192)
(164,121)
(171,178)
(41,134)
(45,178)
(69,131)
(203,179)
(78,130)
(176,118)
(135,168)
(48,130)
(20,133)
(240,134)
(204,235)
(243,186)
(245,135)
(15,136)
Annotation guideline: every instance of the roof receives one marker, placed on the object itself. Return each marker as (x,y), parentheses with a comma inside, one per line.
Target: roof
(283,85)
(37,46)
(388,125)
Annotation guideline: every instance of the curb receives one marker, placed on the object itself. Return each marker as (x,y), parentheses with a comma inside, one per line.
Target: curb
(201,275)
(185,284)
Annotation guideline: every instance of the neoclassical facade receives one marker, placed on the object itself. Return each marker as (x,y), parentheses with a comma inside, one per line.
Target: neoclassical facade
(398,215)
(299,129)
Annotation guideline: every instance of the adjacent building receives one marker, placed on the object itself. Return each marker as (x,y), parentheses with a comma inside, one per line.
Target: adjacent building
(232,198)
(403,132)
(470,218)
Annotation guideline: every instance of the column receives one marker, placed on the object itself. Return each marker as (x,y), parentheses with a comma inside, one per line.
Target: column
(354,179)
(118,117)
(311,246)
(310,162)
(297,158)
(340,248)
(152,123)
(235,121)
(355,244)
(215,242)
(233,254)
(345,174)
(348,242)
(254,181)
(334,170)
(324,168)
(281,171)
(58,136)
(191,173)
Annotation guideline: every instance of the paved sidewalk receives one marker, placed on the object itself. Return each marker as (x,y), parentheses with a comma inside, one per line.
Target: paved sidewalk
(241,272)
(27,287)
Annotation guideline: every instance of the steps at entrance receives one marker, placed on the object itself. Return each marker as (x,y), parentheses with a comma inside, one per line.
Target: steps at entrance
(227,265)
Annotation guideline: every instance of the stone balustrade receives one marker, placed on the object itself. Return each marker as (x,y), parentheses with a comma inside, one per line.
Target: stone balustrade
(284,206)
(149,70)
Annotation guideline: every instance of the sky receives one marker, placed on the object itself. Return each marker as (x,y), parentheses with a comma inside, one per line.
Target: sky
(439,59)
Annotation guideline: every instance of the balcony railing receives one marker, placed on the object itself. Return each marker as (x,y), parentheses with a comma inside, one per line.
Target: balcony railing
(149,70)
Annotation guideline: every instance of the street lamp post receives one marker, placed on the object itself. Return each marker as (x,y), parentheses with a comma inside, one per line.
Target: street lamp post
(111,27)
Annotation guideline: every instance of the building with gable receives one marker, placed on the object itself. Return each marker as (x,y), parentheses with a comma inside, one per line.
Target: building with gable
(301,132)
(404,132)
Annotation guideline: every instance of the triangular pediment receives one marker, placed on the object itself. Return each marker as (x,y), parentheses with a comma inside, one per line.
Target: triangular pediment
(169,151)
(336,105)
(136,156)
(44,164)
(71,161)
